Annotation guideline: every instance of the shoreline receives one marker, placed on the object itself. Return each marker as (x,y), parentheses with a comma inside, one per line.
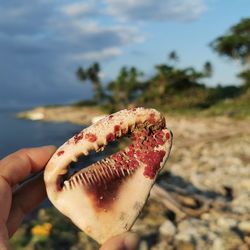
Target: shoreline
(76,115)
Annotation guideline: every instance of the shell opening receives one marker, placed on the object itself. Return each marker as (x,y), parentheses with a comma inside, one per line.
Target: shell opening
(140,144)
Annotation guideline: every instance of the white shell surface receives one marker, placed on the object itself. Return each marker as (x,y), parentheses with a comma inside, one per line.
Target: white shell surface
(77,203)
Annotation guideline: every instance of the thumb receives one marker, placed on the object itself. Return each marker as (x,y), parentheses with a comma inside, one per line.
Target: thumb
(125,241)
(4,239)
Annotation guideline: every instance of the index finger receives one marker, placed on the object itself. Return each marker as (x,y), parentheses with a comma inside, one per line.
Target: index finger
(18,166)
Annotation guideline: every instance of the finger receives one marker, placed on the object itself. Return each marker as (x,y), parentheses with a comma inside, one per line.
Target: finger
(126,241)
(25,199)
(4,239)
(5,200)
(19,165)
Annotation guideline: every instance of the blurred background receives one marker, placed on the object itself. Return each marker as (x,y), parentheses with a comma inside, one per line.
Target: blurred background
(65,63)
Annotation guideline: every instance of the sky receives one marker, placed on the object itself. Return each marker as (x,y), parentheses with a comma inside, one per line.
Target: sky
(43,42)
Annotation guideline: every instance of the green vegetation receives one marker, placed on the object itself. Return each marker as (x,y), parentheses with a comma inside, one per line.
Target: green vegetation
(175,89)
(235,44)
(170,88)
(50,230)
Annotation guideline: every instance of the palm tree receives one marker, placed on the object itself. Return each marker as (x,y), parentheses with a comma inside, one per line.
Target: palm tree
(92,74)
(81,74)
(173,57)
(208,69)
(124,88)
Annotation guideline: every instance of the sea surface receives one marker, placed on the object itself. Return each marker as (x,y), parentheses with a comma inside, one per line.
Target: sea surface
(17,133)
(20,133)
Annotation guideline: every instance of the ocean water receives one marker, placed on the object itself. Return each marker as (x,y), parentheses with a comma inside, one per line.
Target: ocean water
(17,133)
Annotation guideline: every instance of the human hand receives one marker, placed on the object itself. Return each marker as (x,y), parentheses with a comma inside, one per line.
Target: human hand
(125,241)
(14,205)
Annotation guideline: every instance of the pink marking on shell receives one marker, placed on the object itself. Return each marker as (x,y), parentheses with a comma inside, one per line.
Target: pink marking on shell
(110,137)
(78,137)
(61,152)
(91,137)
(167,135)
(117,128)
(152,119)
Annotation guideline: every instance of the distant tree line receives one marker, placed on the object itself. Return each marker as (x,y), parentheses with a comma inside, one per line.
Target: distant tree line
(172,86)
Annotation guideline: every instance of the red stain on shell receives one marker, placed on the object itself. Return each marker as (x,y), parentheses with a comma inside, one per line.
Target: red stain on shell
(91,137)
(110,137)
(117,128)
(118,157)
(78,137)
(152,160)
(133,164)
(145,149)
(124,131)
(152,118)
(103,196)
(167,135)
(61,152)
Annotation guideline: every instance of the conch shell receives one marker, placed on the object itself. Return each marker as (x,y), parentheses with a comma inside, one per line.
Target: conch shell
(105,198)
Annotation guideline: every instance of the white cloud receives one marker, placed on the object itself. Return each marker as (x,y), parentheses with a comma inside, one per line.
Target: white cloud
(155,10)
(100,55)
(80,8)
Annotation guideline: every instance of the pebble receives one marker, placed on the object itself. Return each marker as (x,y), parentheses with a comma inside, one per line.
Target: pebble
(226,223)
(167,229)
(244,226)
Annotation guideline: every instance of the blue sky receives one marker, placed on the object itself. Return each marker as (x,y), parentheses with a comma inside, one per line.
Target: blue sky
(42,42)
